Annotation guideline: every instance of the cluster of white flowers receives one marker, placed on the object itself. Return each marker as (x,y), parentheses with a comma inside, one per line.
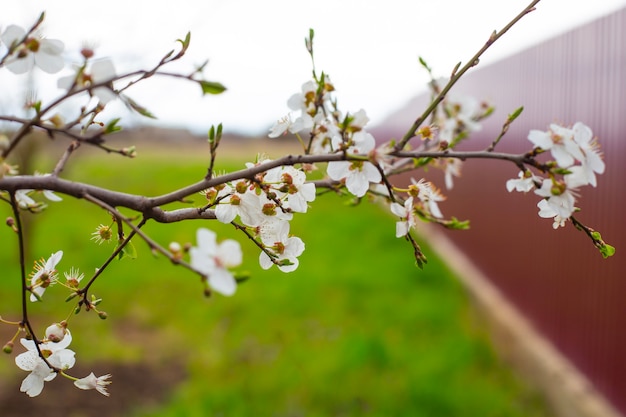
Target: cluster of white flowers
(577,159)
(58,358)
(457,114)
(422,202)
(264,206)
(57,355)
(23,51)
(332,132)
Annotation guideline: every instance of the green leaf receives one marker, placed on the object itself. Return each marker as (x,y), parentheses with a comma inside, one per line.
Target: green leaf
(424,64)
(242,276)
(516,113)
(561,171)
(211,87)
(420,259)
(457,224)
(420,162)
(215,135)
(37,106)
(607,250)
(184,43)
(112,126)
(128,251)
(308,42)
(138,108)
(212,134)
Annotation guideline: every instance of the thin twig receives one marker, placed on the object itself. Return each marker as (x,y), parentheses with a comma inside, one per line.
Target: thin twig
(458,74)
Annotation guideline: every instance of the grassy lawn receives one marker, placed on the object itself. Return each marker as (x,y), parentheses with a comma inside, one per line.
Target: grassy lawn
(357,330)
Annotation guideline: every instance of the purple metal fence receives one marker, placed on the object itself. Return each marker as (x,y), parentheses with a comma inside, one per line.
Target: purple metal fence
(557,278)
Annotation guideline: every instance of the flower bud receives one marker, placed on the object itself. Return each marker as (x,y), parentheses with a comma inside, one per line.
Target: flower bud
(241,187)
(558,188)
(103,315)
(130,151)
(235,200)
(56,332)
(87,52)
(56,120)
(8,348)
(269,209)
(210,194)
(175,247)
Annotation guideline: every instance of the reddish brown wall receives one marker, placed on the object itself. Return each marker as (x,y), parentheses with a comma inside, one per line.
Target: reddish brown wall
(557,278)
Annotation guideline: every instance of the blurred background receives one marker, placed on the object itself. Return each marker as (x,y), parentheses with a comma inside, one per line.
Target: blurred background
(369,48)
(348,333)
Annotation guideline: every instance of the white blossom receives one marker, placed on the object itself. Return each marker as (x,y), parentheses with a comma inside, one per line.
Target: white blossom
(522,184)
(44,53)
(452,169)
(305,100)
(458,113)
(559,199)
(560,142)
(246,205)
(407,214)
(275,237)
(291,187)
(92,382)
(591,161)
(357,174)
(24,201)
(213,260)
(99,71)
(429,196)
(44,275)
(56,354)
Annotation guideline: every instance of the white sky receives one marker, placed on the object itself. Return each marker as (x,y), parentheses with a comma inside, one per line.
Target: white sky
(256,48)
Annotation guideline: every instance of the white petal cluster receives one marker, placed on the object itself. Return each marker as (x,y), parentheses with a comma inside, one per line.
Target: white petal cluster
(30,51)
(265,206)
(575,147)
(290,186)
(56,354)
(576,154)
(428,195)
(457,114)
(303,104)
(285,248)
(423,199)
(329,132)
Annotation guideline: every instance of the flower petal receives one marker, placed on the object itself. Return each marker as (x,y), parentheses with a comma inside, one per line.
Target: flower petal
(32,385)
(223,282)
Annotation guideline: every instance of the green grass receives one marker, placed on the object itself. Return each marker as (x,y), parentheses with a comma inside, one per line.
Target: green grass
(357,330)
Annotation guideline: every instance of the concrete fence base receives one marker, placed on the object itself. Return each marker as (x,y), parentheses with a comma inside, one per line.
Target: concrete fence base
(532,356)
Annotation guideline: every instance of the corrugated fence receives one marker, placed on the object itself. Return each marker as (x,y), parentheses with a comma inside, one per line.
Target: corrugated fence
(557,278)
